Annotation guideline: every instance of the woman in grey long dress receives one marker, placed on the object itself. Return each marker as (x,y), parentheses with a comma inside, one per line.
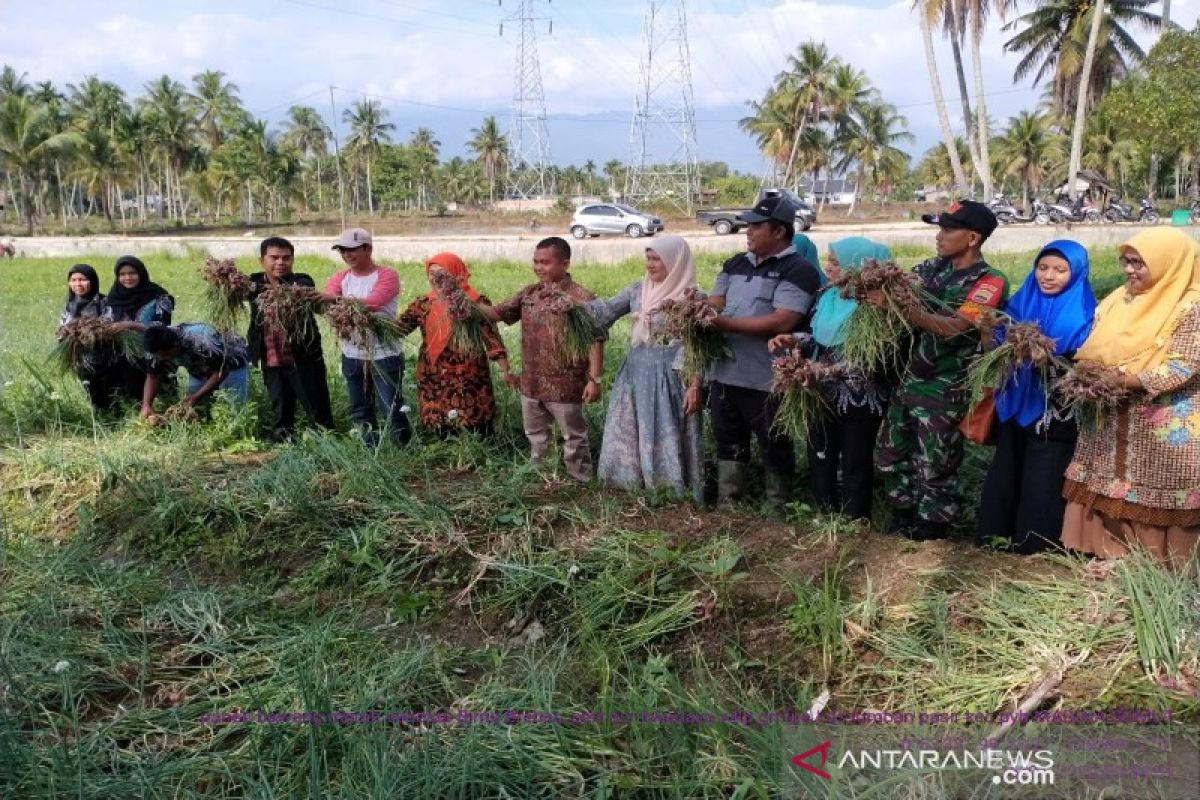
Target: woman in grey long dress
(653,433)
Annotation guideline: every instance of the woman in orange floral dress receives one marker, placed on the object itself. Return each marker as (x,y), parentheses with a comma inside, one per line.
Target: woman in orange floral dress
(454,389)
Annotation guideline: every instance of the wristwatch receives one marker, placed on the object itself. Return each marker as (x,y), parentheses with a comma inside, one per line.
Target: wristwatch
(593,380)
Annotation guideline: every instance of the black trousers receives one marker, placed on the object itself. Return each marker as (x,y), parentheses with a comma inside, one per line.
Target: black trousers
(102,390)
(737,413)
(305,383)
(1022,495)
(128,380)
(845,441)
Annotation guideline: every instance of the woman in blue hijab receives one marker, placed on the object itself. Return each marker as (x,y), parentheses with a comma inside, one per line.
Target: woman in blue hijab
(1022,503)
(845,438)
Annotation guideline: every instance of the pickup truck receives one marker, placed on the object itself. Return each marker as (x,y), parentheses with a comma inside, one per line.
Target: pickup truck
(725,220)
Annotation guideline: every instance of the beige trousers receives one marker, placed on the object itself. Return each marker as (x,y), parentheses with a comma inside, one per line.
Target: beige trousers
(537,416)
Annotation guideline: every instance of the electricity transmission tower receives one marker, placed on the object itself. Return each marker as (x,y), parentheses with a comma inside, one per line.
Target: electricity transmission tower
(529,161)
(662,140)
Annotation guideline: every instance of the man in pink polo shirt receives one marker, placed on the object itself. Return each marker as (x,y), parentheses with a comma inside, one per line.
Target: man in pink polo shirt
(380,367)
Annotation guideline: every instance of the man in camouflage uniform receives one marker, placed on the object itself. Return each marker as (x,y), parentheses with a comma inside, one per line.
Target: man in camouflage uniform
(920,447)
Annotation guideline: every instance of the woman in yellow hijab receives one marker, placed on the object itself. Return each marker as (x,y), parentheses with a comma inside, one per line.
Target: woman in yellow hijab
(1135,478)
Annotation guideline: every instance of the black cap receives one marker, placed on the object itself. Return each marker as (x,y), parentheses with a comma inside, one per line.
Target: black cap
(965,214)
(778,208)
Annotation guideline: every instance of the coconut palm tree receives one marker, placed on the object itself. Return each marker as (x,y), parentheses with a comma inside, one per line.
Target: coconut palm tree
(47,94)
(1026,147)
(976,14)
(926,15)
(368,129)
(814,153)
(614,170)
(423,156)
(1053,36)
(868,138)
(215,103)
(769,126)
(100,167)
(954,28)
(1085,76)
(27,140)
(460,181)
(490,147)
(95,103)
(1107,150)
(589,167)
(131,135)
(849,90)
(12,83)
(307,132)
(803,89)
(934,168)
(172,130)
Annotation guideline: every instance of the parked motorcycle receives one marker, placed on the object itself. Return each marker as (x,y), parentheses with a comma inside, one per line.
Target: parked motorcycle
(1006,213)
(1147,214)
(1117,211)
(1040,212)
(1081,210)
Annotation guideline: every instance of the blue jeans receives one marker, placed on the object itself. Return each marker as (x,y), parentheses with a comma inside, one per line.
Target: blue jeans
(237,383)
(384,376)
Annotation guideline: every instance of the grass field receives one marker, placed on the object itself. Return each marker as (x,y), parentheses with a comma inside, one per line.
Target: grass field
(154,583)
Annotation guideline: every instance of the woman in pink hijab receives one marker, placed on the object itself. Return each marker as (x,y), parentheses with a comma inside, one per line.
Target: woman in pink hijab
(653,435)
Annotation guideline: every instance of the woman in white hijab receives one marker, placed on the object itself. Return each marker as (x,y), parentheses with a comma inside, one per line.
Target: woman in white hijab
(653,436)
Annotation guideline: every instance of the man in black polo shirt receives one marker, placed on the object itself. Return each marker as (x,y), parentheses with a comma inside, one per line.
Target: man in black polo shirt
(293,366)
(763,292)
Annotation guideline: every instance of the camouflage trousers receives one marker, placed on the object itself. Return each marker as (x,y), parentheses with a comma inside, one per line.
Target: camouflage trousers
(919,454)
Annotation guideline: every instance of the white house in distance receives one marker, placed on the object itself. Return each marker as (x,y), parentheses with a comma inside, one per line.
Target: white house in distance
(828,191)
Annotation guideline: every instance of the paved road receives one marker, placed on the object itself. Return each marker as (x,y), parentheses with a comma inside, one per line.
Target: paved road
(606,250)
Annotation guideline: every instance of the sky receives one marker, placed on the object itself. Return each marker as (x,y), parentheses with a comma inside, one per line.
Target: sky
(445,64)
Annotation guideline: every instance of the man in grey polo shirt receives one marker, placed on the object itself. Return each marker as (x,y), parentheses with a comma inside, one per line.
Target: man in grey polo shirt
(768,290)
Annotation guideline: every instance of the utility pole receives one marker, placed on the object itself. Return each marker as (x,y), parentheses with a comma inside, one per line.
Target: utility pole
(529,162)
(662,139)
(337,158)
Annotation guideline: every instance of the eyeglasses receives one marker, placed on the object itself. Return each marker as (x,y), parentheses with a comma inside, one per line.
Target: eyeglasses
(1135,263)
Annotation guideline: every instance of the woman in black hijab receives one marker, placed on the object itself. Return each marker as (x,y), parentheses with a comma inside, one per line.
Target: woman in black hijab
(135,298)
(83,294)
(98,372)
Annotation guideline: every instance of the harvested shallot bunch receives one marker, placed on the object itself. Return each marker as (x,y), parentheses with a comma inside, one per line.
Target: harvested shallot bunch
(466,331)
(1024,343)
(876,337)
(1092,390)
(291,307)
(86,342)
(225,293)
(353,322)
(577,333)
(798,384)
(690,320)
